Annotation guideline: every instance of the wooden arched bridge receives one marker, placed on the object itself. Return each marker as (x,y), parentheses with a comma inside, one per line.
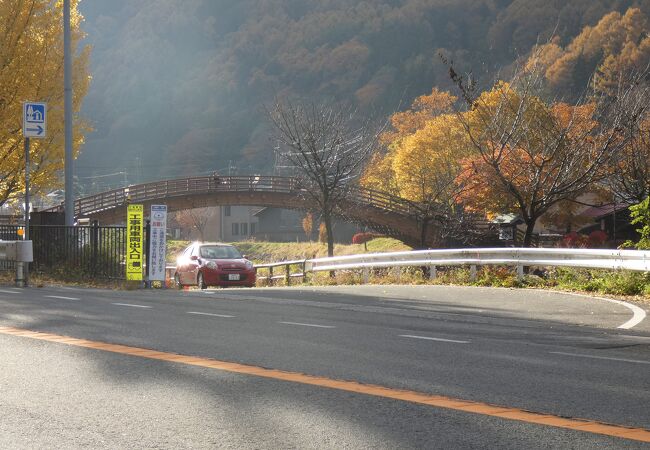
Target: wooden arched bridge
(383,212)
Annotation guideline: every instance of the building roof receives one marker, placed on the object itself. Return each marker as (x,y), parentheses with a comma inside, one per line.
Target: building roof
(507,219)
(598,212)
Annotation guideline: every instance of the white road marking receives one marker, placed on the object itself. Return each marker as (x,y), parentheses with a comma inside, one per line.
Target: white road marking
(208,314)
(636,361)
(637,316)
(308,325)
(129,304)
(433,339)
(61,297)
(9,292)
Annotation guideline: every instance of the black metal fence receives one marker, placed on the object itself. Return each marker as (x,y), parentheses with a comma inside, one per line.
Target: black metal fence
(9,233)
(85,252)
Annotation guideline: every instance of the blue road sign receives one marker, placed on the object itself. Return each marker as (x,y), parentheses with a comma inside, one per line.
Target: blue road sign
(34,119)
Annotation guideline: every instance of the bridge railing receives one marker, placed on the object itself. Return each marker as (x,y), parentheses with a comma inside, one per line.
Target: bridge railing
(212,184)
(517,257)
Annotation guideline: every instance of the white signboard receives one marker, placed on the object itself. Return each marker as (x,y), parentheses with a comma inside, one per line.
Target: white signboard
(158,243)
(34,119)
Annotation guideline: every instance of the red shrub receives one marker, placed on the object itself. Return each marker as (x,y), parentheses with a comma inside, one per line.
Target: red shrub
(362,238)
(597,239)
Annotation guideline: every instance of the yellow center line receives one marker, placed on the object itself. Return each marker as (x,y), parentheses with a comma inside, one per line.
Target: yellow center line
(438,401)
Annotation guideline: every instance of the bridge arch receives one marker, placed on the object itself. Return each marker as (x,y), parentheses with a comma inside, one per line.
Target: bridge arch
(379,211)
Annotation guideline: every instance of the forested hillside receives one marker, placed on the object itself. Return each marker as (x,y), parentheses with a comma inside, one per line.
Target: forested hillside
(194,76)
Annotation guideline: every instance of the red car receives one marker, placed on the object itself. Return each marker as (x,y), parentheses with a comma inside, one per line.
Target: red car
(206,264)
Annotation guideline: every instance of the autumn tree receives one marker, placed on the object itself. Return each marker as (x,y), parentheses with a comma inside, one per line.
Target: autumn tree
(630,177)
(31,69)
(426,165)
(308,224)
(328,149)
(419,159)
(530,154)
(618,43)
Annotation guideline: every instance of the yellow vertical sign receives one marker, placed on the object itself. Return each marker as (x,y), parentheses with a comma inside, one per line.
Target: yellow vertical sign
(134,244)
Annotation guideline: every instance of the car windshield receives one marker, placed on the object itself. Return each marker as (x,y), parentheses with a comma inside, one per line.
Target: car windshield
(219,252)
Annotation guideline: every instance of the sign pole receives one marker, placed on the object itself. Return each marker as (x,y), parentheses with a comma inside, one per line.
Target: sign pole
(26,234)
(34,125)
(26,189)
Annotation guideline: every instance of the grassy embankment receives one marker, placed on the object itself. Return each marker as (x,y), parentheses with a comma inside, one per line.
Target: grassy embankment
(267,252)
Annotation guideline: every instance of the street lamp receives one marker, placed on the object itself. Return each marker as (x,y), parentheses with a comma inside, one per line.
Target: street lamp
(67,104)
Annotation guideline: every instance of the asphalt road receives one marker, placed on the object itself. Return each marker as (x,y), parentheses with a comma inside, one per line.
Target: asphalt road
(544,352)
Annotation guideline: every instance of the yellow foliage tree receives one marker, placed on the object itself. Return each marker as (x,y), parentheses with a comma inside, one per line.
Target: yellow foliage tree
(31,69)
(426,162)
(423,109)
(418,162)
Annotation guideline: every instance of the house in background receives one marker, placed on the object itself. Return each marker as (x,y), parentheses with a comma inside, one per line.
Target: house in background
(236,223)
(222,223)
(613,220)
(284,225)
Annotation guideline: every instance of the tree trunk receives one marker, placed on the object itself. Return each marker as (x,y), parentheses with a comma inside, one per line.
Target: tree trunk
(528,236)
(330,234)
(424,227)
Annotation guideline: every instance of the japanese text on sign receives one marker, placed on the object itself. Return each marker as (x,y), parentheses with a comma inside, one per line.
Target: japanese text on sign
(158,243)
(134,245)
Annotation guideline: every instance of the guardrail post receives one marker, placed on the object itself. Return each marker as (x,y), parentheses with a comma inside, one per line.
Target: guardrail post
(271,276)
(287,276)
(398,273)
(472,272)
(433,272)
(303,266)
(366,275)
(520,272)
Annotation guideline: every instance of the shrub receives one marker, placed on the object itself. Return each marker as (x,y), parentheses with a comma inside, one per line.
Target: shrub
(596,239)
(364,238)
(640,214)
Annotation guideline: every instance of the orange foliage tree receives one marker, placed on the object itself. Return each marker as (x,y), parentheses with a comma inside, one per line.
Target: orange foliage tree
(618,43)
(530,154)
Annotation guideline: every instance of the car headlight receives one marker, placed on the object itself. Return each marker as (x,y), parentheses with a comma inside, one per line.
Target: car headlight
(211,265)
(249,265)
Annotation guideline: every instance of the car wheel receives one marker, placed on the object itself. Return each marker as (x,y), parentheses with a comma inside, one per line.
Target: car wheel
(201,282)
(177,281)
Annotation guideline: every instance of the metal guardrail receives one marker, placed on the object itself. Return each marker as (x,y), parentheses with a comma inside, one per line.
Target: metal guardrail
(287,276)
(518,257)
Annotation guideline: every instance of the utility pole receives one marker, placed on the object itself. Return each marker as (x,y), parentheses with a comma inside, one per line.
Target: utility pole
(67,104)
